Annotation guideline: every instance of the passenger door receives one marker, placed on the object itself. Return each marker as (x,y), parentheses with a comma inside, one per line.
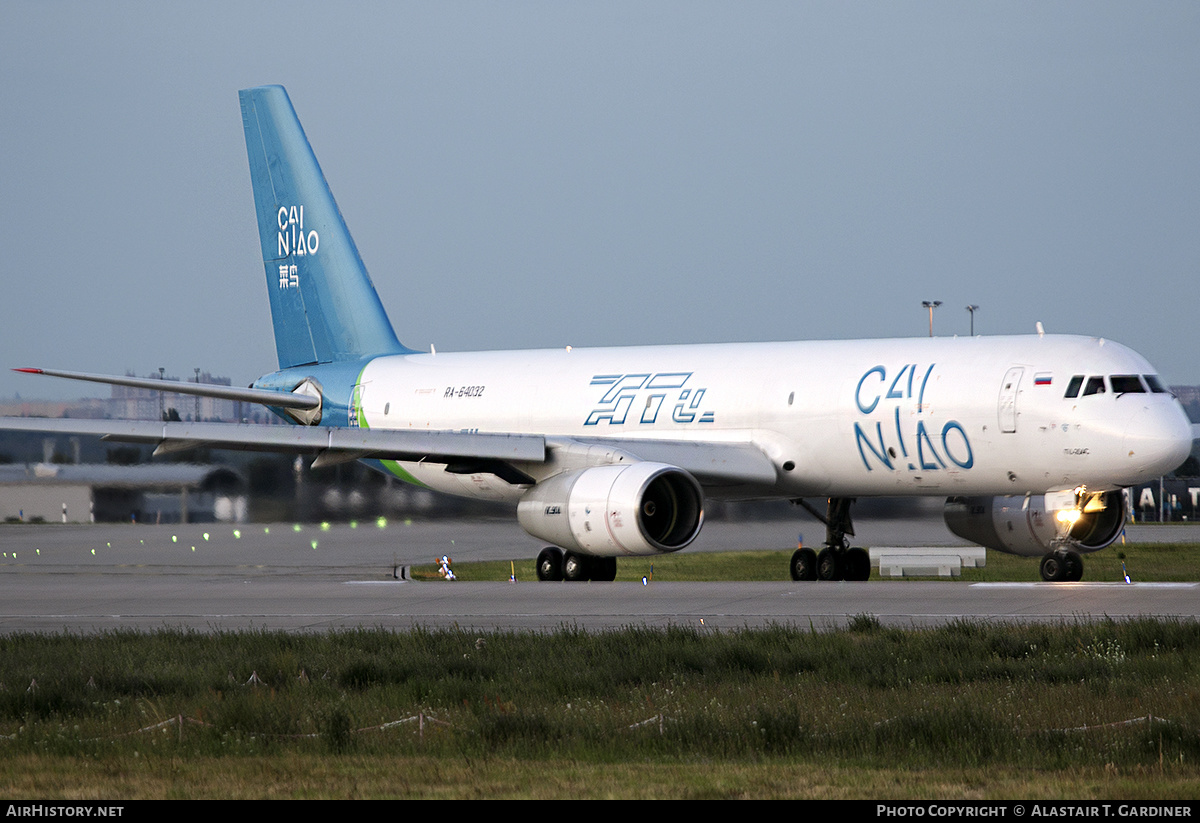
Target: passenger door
(1009,390)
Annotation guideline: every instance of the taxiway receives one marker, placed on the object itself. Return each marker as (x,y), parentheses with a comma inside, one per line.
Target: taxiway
(305,578)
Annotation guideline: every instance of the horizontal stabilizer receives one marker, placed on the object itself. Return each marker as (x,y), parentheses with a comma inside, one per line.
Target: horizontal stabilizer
(283,400)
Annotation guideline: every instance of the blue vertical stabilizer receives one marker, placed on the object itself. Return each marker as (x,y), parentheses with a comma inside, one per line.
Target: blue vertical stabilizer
(323,303)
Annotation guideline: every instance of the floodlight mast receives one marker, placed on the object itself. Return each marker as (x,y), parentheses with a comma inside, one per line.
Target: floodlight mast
(931,305)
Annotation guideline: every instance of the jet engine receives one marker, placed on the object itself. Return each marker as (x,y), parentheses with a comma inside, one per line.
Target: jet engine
(1035,524)
(628,509)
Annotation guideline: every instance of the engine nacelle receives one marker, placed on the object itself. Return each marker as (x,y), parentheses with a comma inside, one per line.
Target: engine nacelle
(1030,526)
(627,509)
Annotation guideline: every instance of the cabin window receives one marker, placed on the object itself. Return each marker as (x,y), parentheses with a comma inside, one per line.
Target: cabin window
(1095,385)
(1126,384)
(791,397)
(1152,382)
(1073,386)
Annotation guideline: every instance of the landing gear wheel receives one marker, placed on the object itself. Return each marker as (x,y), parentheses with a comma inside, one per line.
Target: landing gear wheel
(550,564)
(804,564)
(858,564)
(835,561)
(1054,568)
(1073,567)
(576,567)
(604,569)
(829,565)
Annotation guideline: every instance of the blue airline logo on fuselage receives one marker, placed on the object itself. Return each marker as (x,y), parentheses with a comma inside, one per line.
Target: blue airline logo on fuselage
(908,440)
(647,394)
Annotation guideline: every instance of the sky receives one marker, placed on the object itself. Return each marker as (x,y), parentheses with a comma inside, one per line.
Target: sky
(540,174)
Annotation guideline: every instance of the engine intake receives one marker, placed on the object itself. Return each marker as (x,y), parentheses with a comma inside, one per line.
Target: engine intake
(1030,526)
(629,509)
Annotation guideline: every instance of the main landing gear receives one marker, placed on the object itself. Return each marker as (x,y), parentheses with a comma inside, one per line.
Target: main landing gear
(1062,566)
(555,564)
(837,560)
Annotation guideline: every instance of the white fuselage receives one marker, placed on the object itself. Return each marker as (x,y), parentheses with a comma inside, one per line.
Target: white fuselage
(921,416)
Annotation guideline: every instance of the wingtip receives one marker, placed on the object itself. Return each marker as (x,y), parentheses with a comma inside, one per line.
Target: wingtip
(29,371)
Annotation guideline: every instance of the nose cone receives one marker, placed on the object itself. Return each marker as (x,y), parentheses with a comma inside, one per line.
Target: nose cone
(1158,440)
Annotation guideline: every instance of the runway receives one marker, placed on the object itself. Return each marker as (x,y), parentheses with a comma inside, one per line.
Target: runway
(223,577)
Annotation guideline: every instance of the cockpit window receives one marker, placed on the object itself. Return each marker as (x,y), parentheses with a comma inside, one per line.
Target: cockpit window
(1126,384)
(1095,385)
(1073,386)
(1152,382)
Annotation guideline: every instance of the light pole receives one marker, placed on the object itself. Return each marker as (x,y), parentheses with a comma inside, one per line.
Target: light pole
(931,305)
(972,309)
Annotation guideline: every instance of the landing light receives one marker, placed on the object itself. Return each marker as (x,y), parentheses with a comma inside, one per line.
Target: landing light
(1068,516)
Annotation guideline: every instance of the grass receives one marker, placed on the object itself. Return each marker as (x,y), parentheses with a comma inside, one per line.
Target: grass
(295,777)
(1103,709)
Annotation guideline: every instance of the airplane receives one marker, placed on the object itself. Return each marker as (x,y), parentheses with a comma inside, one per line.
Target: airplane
(612,452)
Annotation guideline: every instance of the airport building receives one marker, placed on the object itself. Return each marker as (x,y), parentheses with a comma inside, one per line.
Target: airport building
(147,493)
(129,403)
(1170,499)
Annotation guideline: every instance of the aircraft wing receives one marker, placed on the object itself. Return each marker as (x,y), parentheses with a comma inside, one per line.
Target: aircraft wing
(335,444)
(722,464)
(713,464)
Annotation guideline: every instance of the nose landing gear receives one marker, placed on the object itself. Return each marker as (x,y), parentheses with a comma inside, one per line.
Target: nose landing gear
(1062,566)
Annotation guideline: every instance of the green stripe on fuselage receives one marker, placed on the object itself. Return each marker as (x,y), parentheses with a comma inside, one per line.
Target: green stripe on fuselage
(392,466)
(396,469)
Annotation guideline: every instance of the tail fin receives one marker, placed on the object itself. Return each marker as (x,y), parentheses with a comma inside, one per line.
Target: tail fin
(323,304)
